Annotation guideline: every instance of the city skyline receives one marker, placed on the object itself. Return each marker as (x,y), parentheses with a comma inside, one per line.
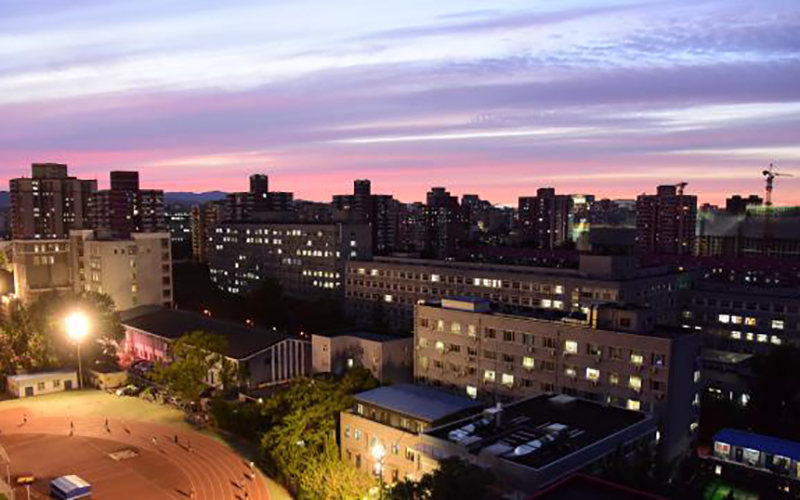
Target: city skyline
(609,99)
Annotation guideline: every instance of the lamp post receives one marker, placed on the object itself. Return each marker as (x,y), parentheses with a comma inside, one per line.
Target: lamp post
(379,453)
(77,327)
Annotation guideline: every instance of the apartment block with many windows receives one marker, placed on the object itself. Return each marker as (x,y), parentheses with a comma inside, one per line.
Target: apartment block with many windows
(385,290)
(308,260)
(616,355)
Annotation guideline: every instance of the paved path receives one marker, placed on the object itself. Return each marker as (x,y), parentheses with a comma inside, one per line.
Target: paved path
(43,445)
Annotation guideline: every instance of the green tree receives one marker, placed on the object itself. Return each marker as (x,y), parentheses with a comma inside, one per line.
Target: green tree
(192,357)
(454,478)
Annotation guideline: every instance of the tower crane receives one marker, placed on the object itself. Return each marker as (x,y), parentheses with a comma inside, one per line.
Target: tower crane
(770,175)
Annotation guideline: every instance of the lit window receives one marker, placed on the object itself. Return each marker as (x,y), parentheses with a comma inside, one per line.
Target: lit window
(559,289)
(777,324)
(762,337)
(736,335)
(373,272)
(775,340)
(736,320)
(527,363)
(508,380)
(592,374)
(634,405)
(488,376)
(440,346)
(635,383)
(724,318)
(637,358)
(455,327)
(435,278)
(388,298)
(547,303)
(750,336)
(557,304)
(613,379)
(440,325)
(750,321)
(570,372)
(471,331)
(571,346)
(357,434)
(696,376)
(472,391)
(350,362)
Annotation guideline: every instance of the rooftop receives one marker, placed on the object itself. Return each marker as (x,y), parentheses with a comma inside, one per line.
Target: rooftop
(362,334)
(538,431)
(582,487)
(40,375)
(243,341)
(766,444)
(423,403)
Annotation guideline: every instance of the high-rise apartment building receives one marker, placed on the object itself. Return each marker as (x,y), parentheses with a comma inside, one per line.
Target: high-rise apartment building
(387,288)
(244,206)
(380,211)
(615,355)
(307,260)
(545,219)
(205,218)
(665,222)
(135,270)
(445,226)
(50,203)
(125,208)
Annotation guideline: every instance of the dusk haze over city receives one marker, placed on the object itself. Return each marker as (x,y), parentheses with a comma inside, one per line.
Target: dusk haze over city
(607,97)
(439,250)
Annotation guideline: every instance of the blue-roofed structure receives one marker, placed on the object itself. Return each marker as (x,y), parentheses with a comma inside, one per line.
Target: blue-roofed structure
(422,403)
(767,453)
(70,487)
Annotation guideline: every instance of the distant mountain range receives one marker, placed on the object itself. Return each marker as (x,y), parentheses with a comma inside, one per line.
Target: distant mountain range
(183,198)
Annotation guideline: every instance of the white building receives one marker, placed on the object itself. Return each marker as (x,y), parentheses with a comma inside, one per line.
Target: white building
(390,358)
(36,384)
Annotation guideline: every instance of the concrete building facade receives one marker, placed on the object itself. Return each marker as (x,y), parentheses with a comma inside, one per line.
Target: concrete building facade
(132,271)
(386,289)
(307,260)
(615,356)
(666,222)
(50,203)
(389,358)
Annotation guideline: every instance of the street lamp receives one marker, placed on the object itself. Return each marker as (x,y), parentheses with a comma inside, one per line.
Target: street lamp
(379,453)
(77,327)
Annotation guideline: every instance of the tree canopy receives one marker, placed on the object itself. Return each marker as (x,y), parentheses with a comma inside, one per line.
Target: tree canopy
(192,356)
(454,478)
(32,337)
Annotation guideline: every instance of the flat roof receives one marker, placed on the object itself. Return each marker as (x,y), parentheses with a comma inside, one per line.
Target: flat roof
(243,341)
(538,431)
(767,444)
(22,377)
(364,334)
(582,487)
(424,403)
(726,357)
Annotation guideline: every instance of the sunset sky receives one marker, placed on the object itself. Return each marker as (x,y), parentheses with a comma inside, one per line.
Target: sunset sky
(496,98)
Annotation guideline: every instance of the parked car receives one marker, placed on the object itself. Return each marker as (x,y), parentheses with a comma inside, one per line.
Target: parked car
(128,390)
(25,478)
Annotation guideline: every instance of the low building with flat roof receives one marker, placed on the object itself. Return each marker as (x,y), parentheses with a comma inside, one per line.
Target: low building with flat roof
(36,384)
(393,417)
(535,442)
(388,357)
(268,357)
(737,450)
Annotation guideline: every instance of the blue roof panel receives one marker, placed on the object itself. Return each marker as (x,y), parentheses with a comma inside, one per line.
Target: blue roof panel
(417,401)
(766,444)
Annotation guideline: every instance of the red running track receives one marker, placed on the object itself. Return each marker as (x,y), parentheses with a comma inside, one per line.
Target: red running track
(43,446)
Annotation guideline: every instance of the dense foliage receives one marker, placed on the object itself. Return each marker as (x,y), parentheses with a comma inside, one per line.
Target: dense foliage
(192,356)
(297,431)
(33,337)
(454,478)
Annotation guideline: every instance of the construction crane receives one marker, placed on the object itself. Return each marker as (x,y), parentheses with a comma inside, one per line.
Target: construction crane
(770,175)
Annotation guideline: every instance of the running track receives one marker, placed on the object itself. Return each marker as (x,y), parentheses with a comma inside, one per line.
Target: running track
(210,468)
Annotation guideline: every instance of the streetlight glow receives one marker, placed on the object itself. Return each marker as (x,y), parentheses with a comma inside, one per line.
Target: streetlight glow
(378,452)
(77,326)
